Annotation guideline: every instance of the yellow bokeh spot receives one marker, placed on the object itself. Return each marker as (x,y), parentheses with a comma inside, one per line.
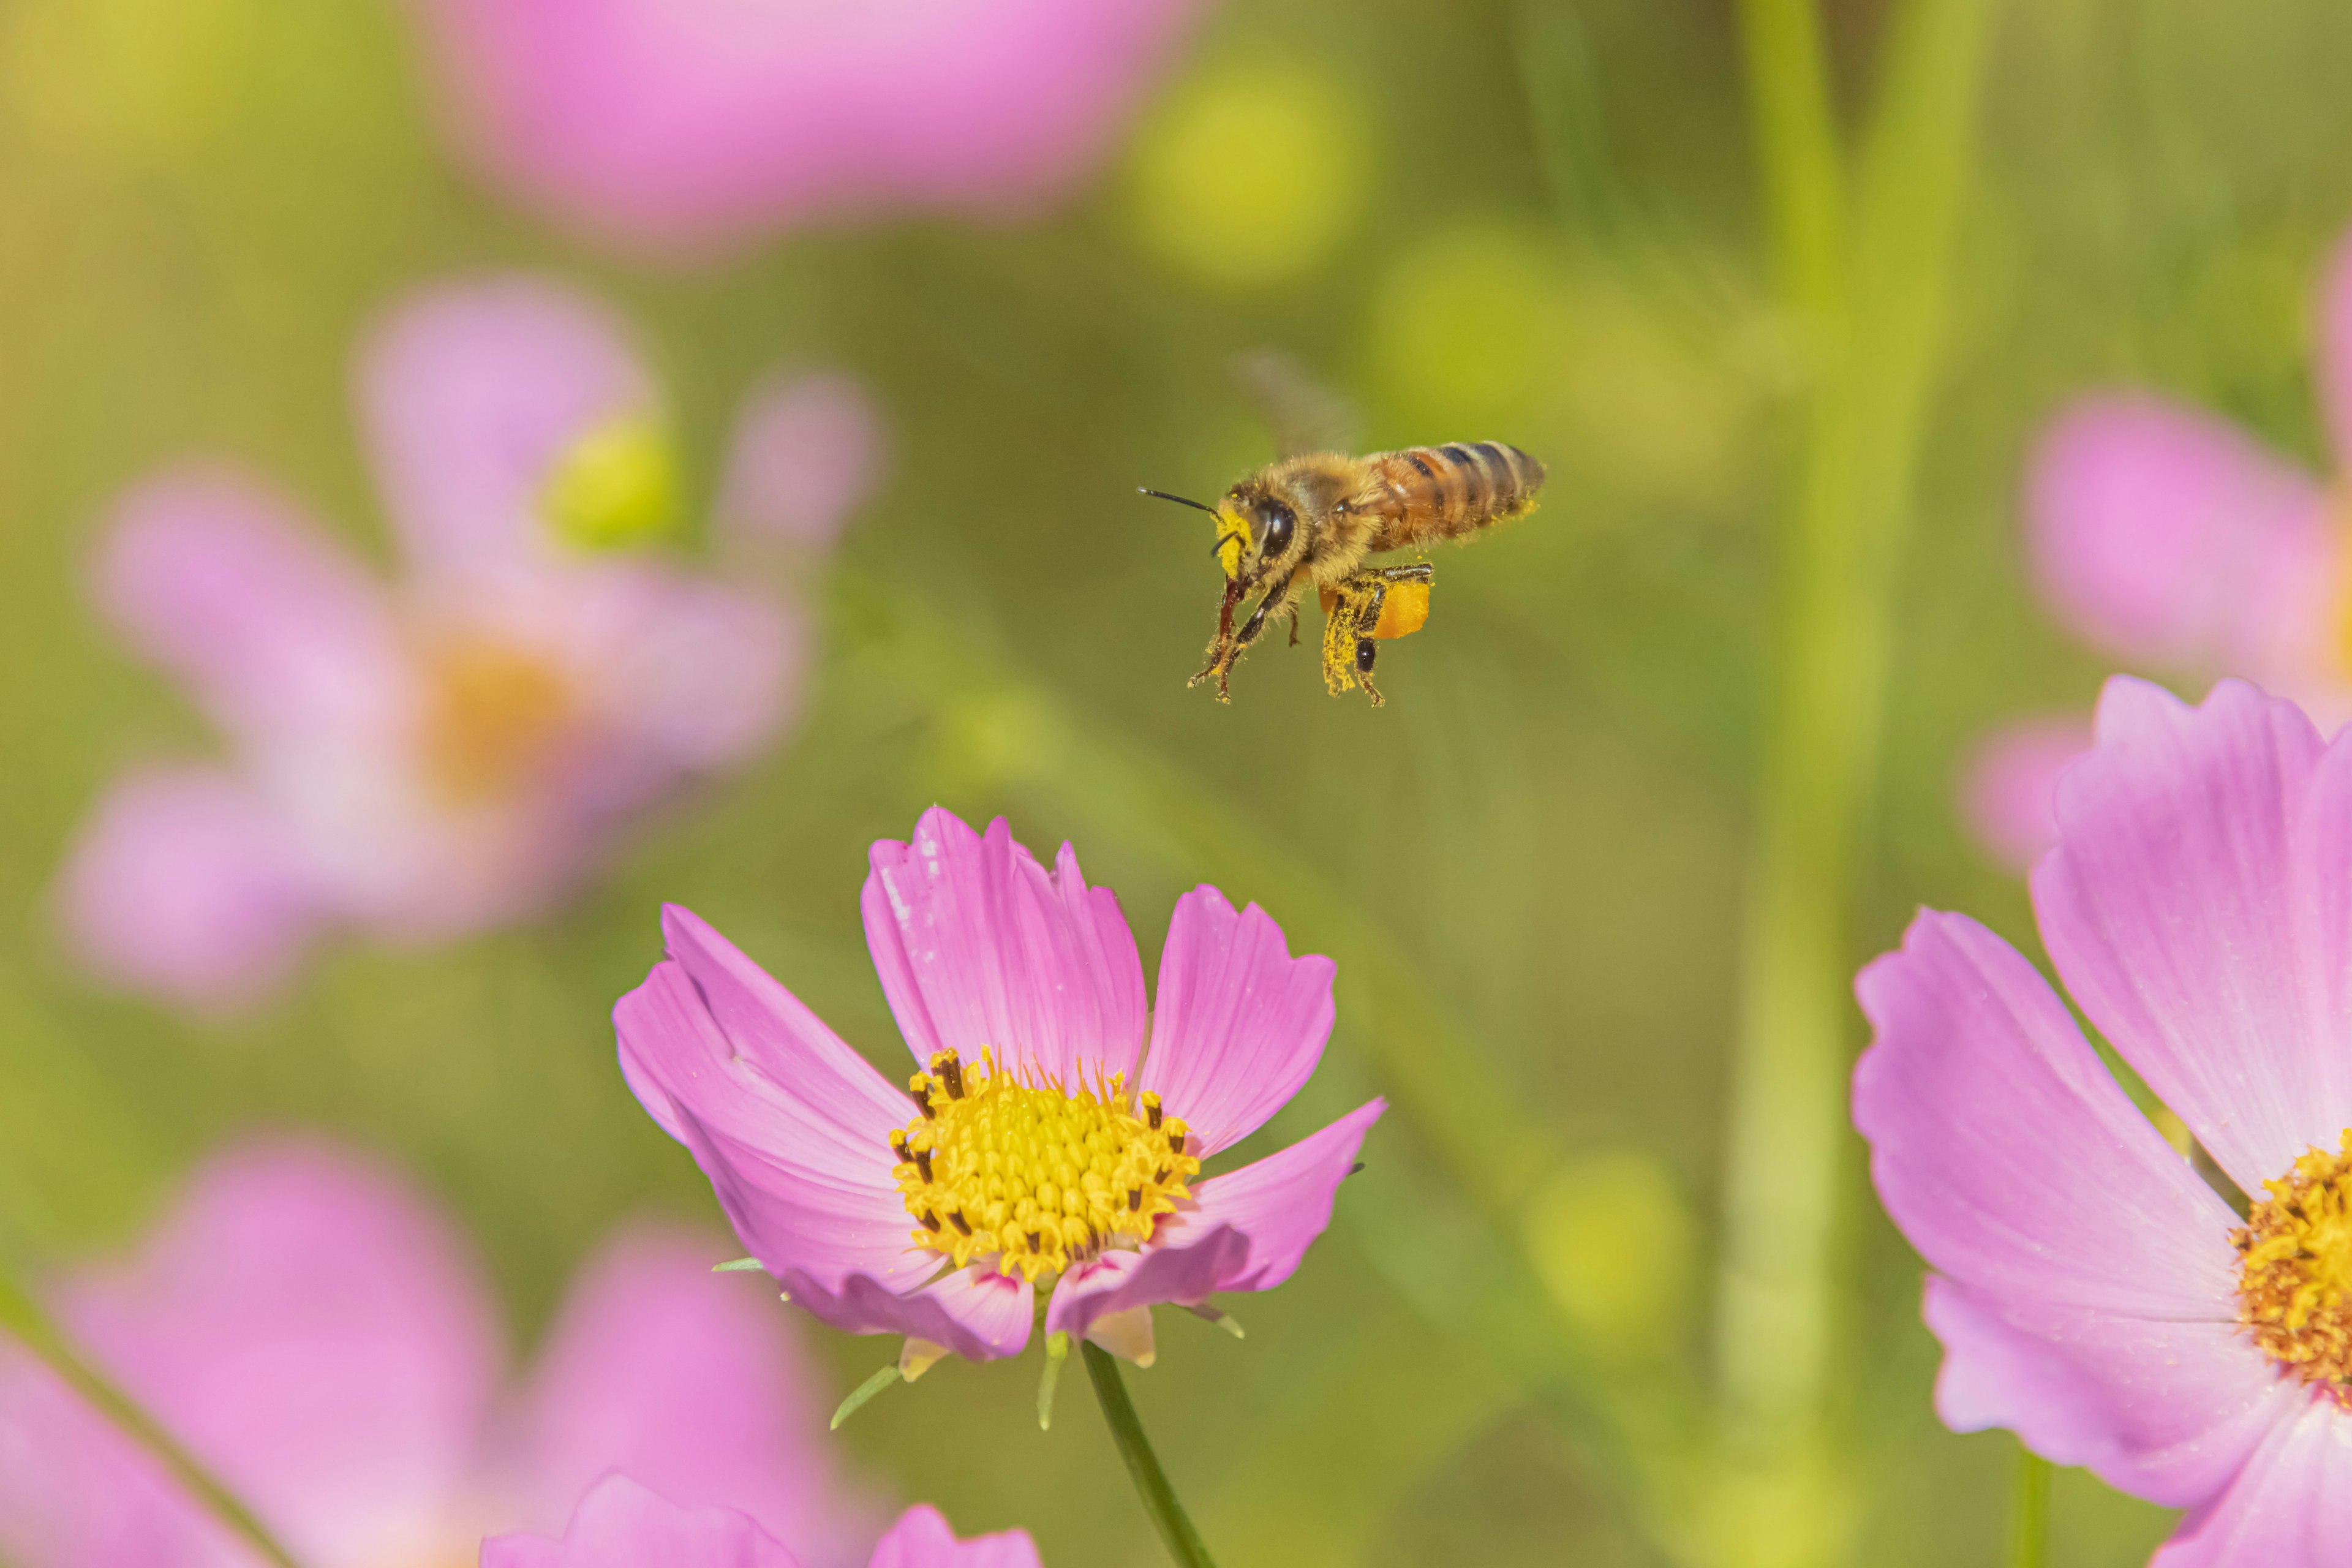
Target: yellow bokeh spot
(494,714)
(1037,1176)
(1611,1239)
(1463,326)
(139,82)
(1251,172)
(615,487)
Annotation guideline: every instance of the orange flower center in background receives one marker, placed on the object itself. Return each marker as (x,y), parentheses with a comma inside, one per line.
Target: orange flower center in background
(494,714)
(2294,1289)
(1039,1175)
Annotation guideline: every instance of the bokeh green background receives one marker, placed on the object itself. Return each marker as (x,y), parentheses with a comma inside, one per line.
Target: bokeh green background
(1537,223)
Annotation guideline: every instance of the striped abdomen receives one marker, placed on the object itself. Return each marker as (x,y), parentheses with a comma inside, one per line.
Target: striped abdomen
(1444,492)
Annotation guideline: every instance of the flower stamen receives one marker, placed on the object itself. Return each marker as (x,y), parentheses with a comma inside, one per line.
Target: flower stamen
(2295,1291)
(1038,1175)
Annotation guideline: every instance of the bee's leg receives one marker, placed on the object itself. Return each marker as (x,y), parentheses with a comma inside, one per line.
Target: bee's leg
(1354,622)
(1345,620)
(1293,626)
(1229,650)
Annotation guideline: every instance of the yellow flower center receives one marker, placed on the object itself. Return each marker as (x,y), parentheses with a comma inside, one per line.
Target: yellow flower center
(1040,1176)
(494,714)
(615,488)
(2294,1289)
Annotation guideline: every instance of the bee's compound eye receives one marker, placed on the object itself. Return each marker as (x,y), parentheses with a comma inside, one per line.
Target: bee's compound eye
(1275,523)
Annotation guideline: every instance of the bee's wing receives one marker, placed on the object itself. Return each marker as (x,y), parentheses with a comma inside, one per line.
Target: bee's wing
(1304,414)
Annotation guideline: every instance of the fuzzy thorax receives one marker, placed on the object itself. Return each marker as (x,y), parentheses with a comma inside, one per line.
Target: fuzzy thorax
(1038,1175)
(2295,1291)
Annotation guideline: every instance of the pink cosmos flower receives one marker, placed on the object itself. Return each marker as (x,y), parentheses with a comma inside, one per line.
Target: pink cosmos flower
(453,753)
(315,1333)
(621,1524)
(2092,1292)
(1040,1144)
(2170,539)
(688,126)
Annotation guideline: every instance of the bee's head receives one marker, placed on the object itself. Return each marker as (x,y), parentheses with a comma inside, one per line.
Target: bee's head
(1257,534)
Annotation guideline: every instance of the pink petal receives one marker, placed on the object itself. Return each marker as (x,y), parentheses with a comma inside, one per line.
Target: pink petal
(1246,1230)
(76,1493)
(693,1384)
(921,1539)
(686,675)
(790,1124)
(2188,912)
(2009,784)
(315,1333)
(183,884)
(680,126)
(2166,1411)
(2155,532)
(2291,1508)
(1238,1023)
(2097,1264)
(472,394)
(806,454)
(272,627)
(620,1524)
(979,947)
(979,1314)
(1186,1274)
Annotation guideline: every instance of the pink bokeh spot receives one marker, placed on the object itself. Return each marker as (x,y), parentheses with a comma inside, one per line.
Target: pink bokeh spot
(316,1335)
(425,758)
(980,949)
(681,128)
(621,1523)
(2198,903)
(2168,538)
(2008,786)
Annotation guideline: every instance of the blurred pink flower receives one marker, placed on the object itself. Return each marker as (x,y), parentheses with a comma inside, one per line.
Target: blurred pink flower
(681,127)
(1021,994)
(315,1333)
(2092,1292)
(2170,539)
(620,1524)
(453,753)
(2008,785)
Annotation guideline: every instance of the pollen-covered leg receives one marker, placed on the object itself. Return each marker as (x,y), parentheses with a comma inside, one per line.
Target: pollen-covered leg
(1367,609)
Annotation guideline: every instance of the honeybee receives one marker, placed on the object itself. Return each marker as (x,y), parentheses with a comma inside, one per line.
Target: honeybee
(1315,520)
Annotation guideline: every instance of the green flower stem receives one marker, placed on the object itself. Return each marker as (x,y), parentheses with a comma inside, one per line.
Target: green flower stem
(2029,1525)
(24,1317)
(1176,1533)
(1863,268)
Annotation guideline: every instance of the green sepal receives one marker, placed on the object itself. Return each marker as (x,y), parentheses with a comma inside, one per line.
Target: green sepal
(739,1265)
(1230,1324)
(864,1392)
(1057,1351)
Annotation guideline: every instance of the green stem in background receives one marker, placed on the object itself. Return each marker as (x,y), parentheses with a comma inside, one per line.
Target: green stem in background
(1176,1532)
(24,1317)
(1866,275)
(2029,1526)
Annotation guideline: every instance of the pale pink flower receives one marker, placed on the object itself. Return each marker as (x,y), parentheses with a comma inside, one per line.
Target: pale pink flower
(429,759)
(314,1332)
(620,1524)
(2092,1292)
(2173,542)
(1021,996)
(681,127)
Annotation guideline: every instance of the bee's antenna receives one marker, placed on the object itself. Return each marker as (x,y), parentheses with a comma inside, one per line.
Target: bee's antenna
(1179,500)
